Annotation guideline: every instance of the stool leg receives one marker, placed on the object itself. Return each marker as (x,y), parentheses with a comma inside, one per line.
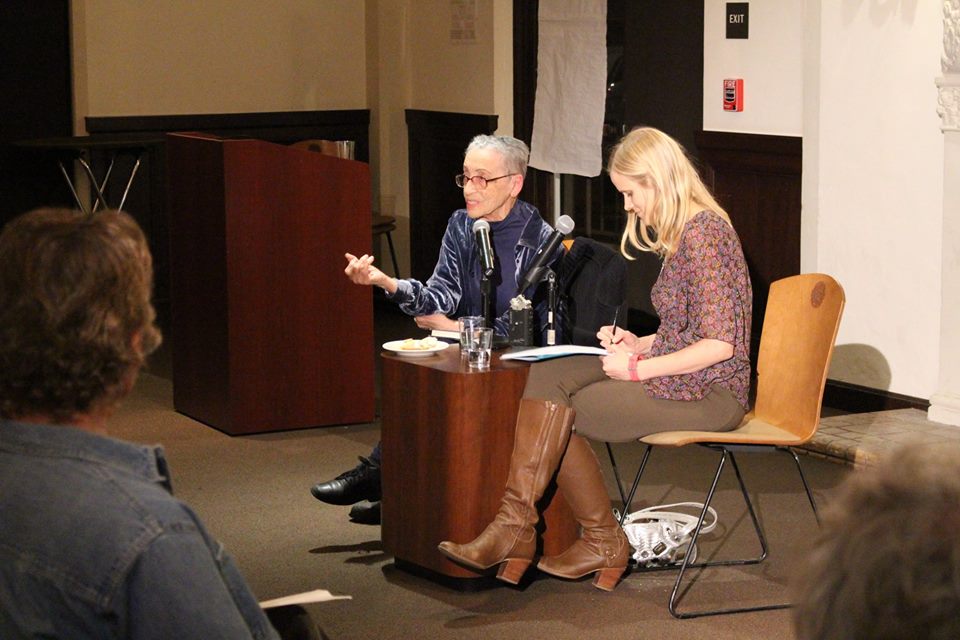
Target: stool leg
(76,197)
(97,188)
(133,172)
(393,256)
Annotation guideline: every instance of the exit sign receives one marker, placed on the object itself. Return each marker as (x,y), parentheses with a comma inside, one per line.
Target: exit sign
(738,20)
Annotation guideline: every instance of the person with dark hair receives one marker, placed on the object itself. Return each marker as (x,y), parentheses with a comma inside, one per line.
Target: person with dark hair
(887,561)
(694,371)
(92,543)
(493,172)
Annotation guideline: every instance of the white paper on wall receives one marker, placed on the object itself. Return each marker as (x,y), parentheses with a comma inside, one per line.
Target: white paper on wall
(571,87)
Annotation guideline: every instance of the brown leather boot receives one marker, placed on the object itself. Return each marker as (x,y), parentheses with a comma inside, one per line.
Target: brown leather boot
(510,540)
(603,546)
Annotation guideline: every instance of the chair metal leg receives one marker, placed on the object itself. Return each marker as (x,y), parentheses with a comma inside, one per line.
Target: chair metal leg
(628,499)
(753,514)
(616,476)
(803,479)
(724,451)
(672,604)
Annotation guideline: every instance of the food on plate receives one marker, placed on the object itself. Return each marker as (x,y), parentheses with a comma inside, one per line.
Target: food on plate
(423,344)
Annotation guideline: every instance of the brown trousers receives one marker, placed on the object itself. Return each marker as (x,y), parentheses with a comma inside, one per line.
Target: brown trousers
(620,411)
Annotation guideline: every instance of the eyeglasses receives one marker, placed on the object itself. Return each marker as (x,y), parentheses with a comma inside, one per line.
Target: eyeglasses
(478,181)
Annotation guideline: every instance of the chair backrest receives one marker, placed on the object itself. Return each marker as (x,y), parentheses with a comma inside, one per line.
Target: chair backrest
(799,331)
(592,279)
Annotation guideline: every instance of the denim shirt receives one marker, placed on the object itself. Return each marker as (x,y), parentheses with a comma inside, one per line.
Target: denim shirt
(93,545)
(454,288)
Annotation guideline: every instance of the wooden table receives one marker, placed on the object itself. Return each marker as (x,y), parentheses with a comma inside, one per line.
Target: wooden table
(447,434)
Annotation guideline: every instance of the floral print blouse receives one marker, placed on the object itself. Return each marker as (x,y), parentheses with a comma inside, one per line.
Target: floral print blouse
(704,292)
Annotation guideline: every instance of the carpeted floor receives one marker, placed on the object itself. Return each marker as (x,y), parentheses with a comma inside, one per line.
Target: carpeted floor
(253,493)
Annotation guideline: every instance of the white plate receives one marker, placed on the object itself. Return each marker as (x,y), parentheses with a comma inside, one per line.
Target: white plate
(394,346)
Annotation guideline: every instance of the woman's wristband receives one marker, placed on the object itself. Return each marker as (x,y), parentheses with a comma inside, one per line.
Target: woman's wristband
(632,365)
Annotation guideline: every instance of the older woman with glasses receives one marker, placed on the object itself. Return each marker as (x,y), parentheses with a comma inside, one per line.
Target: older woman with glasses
(493,172)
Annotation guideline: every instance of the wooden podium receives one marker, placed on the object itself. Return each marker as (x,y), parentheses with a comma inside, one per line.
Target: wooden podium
(268,333)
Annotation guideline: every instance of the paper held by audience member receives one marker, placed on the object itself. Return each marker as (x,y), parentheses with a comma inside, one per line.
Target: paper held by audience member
(307,597)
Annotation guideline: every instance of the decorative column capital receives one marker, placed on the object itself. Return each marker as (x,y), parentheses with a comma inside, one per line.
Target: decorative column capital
(949,82)
(950,62)
(949,103)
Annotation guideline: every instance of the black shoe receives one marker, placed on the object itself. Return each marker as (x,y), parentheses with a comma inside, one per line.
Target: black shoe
(365,512)
(360,483)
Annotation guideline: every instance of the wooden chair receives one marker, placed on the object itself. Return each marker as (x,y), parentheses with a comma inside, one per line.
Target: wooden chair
(799,329)
(381,225)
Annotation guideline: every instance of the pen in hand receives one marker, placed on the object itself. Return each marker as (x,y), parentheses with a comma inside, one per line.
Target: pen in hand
(614,339)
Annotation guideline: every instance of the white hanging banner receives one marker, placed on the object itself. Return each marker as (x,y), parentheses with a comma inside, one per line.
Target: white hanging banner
(571,87)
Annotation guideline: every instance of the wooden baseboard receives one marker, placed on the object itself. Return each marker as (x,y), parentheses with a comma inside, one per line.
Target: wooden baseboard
(854,398)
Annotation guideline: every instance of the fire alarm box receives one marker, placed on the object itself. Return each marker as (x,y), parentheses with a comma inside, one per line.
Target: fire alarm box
(733,94)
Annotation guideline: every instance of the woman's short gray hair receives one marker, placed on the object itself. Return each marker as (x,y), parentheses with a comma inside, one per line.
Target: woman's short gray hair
(515,152)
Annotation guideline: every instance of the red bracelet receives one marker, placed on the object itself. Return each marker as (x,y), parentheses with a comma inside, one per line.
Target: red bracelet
(632,365)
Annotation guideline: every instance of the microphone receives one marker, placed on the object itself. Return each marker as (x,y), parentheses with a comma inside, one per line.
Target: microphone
(481,228)
(542,260)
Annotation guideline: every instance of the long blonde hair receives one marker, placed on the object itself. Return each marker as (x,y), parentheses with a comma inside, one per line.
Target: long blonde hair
(653,158)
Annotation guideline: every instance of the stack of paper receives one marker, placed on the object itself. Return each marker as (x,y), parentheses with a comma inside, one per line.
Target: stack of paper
(555,351)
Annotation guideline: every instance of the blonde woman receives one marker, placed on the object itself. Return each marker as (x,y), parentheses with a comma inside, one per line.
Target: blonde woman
(694,372)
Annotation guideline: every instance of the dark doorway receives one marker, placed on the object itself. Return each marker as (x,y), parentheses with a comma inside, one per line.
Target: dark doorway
(654,78)
(37,101)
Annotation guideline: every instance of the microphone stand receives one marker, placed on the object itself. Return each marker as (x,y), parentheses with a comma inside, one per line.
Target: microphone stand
(485,302)
(551,307)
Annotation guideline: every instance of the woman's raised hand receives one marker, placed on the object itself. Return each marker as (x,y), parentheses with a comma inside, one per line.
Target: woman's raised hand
(361,270)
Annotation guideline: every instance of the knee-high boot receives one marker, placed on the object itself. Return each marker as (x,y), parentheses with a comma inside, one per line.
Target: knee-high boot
(603,547)
(543,429)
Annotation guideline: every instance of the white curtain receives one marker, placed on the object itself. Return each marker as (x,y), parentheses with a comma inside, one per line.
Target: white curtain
(571,87)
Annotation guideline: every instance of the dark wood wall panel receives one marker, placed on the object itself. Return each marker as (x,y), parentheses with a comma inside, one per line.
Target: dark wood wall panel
(436,142)
(757,179)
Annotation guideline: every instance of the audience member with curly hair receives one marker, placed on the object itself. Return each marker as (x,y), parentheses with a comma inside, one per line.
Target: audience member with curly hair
(887,563)
(92,542)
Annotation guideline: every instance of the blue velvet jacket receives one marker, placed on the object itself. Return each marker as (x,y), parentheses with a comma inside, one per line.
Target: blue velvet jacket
(454,288)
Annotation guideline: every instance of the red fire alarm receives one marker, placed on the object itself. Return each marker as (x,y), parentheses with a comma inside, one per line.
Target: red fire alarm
(733,94)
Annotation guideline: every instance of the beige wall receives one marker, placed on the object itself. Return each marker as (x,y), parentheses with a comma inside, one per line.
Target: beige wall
(860,78)
(769,61)
(875,197)
(450,75)
(159,57)
(420,66)
(867,101)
